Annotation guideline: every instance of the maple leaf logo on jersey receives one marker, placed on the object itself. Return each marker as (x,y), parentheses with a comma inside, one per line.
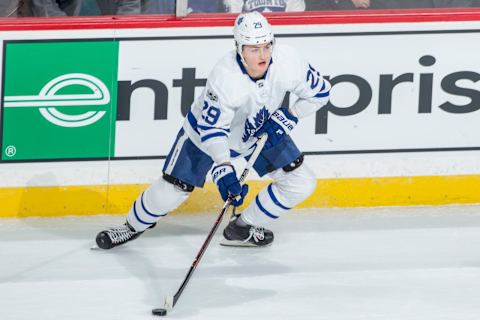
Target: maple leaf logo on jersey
(254,124)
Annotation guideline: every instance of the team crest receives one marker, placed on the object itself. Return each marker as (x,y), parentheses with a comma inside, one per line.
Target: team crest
(252,125)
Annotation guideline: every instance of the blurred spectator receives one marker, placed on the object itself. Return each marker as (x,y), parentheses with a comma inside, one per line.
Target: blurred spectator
(452,3)
(15,8)
(159,6)
(107,7)
(49,8)
(99,7)
(264,5)
(128,7)
(145,6)
(199,6)
(123,7)
(413,4)
(358,4)
(318,5)
(337,4)
(89,8)
(387,4)
(401,4)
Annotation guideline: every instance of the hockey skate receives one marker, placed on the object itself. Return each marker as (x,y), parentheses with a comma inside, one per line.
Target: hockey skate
(116,236)
(247,236)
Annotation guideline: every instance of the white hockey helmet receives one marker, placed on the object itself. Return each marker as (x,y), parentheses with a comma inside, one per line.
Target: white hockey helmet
(250,29)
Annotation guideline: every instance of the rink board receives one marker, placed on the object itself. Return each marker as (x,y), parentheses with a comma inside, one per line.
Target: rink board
(348,192)
(88,115)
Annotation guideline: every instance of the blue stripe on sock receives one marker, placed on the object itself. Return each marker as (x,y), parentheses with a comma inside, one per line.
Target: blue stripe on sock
(148,212)
(275,200)
(136,215)
(263,209)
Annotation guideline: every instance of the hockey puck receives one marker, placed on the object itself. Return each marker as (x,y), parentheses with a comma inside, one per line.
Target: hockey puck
(159,312)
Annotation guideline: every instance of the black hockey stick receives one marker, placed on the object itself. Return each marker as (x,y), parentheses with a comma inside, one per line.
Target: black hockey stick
(170,301)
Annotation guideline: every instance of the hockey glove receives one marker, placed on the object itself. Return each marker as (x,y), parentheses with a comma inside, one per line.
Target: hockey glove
(225,178)
(280,124)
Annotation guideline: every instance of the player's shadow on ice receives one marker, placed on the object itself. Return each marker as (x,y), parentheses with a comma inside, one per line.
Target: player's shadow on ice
(162,276)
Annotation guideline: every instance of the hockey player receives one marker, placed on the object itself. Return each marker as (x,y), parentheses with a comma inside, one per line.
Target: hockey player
(241,101)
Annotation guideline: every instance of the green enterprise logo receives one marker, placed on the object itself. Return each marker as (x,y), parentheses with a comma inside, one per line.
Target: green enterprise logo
(59,100)
(48,99)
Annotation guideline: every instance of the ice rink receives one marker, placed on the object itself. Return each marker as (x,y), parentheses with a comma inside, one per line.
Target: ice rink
(385,263)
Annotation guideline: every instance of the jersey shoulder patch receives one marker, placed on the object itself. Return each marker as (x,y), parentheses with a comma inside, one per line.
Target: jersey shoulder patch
(226,82)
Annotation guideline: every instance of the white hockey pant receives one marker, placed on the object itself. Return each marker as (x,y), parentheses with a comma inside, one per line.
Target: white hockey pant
(154,203)
(286,191)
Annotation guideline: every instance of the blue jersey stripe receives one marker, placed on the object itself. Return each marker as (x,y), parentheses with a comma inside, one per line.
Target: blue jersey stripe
(193,122)
(323,86)
(213,135)
(322,95)
(257,201)
(275,200)
(206,128)
(234,153)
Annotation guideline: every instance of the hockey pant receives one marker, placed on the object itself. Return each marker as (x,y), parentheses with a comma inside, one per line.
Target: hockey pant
(189,166)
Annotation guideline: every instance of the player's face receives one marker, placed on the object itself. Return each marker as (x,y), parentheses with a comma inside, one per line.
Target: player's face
(257,58)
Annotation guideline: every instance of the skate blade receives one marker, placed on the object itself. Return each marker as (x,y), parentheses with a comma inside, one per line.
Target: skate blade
(239,243)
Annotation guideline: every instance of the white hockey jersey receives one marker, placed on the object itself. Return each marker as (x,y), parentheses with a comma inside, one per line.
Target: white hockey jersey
(232,107)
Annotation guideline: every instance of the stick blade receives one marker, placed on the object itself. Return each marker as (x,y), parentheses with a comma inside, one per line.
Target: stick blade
(168,305)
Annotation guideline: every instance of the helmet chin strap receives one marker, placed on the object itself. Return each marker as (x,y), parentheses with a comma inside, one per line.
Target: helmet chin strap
(239,51)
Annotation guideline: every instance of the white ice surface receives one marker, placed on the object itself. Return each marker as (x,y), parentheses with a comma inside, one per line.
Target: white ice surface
(355,264)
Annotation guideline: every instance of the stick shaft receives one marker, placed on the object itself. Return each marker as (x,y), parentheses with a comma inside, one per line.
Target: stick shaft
(226,206)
